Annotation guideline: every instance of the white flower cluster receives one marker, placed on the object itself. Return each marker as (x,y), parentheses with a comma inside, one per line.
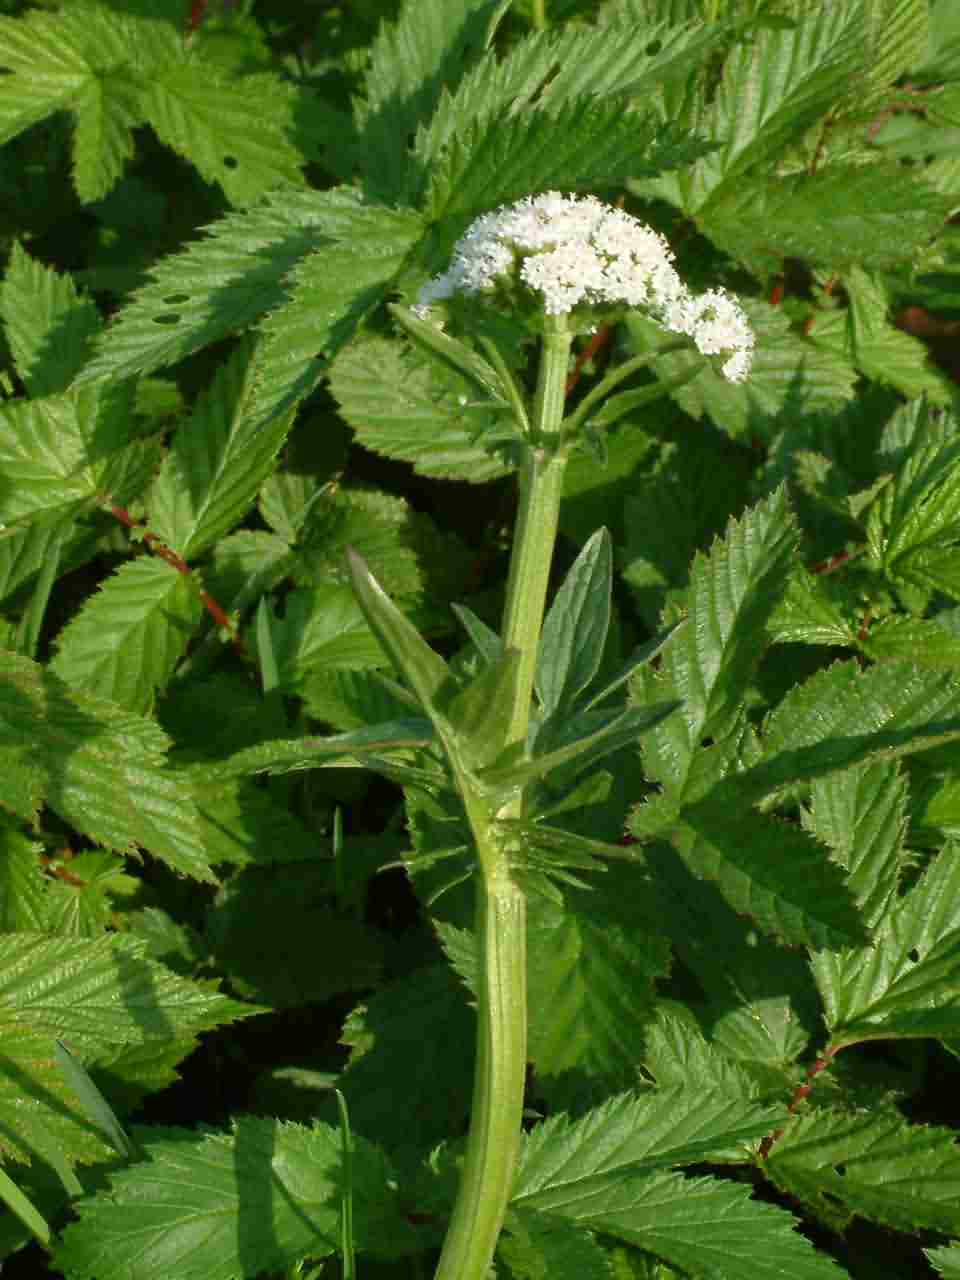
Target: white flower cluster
(575,250)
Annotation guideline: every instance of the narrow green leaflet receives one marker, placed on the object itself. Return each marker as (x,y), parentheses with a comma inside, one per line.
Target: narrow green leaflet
(48,326)
(218,459)
(575,628)
(426,672)
(590,142)
(843,715)
(908,983)
(222,1206)
(328,294)
(236,131)
(101,768)
(127,639)
(565,1161)
(223,283)
(873,1164)
(312,753)
(98,996)
(861,814)
(709,663)
(428,48)
(773,87)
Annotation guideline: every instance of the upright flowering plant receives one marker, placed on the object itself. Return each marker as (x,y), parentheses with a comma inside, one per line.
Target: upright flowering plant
(564,264)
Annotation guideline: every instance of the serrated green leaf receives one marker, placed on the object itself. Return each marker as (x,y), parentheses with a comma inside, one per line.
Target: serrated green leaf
(772,88)
(701,1225)
(97,996)
(236,131)
(315,953)
(861,815)
(145,1224)
(575,628)
(80,904)
(218,459)
(535,1245)
(809,614)
(628,1137)
(585,143)
(591,966)
(405,405)
(876,1165)
(843,715)
(761,1005)
(223,283)
(48,326)
(102,769)
(420,1027)
(908,983)
(709,663)
(22,882)
(379,526)
(411,60)
(876,216)
(86,59)
(882,352)
(770,870)
(127,639)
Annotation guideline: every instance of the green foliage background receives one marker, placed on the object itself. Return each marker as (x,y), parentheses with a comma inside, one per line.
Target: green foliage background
(744,1032)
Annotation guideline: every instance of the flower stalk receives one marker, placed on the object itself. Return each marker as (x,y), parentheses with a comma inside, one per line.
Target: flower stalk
(493,1143)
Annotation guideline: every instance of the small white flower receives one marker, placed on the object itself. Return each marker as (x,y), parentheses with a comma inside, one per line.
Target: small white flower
(575,251)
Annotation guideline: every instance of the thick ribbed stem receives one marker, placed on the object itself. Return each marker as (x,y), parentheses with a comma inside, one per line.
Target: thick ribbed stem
(495,1122)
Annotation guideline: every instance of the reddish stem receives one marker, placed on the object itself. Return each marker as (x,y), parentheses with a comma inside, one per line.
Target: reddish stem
(161,549)
(799,1094)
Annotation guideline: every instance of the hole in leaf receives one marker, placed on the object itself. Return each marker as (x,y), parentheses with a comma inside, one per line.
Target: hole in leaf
(175,299)
(653,48)
(840,1170)
(913,955)
(167,317)
(230,162)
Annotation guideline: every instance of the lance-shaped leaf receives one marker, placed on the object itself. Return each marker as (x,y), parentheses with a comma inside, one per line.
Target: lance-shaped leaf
(423,667)
(575,628)
(908,983)
(480,715)
(618,731)
(288,755)
(874,1164)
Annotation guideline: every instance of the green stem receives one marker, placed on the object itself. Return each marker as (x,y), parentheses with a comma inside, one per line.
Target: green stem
(620,374)
(493,1143)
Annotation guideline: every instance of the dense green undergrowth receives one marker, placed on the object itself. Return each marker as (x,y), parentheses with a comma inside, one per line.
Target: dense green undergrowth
(249,815)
